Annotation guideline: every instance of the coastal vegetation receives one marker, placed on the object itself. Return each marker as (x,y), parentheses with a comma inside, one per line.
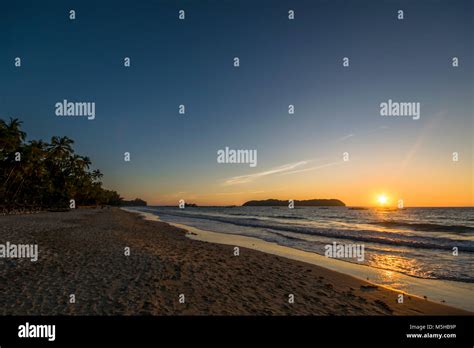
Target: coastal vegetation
(37,175)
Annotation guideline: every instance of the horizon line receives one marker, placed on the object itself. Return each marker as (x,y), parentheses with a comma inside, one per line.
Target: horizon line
(318,206)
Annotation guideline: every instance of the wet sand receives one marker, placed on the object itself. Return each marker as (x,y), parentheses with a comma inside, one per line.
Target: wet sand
(82,252)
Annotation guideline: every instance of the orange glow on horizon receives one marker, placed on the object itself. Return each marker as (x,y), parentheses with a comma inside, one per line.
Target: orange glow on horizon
(443,187)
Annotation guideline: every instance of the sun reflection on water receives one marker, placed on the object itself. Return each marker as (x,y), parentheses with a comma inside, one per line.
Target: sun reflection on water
(395,263)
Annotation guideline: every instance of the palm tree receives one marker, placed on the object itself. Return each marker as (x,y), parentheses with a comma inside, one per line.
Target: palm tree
(11,136)
(61,148)
(48,175)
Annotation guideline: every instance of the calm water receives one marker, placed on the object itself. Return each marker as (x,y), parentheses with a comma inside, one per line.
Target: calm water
(414,241)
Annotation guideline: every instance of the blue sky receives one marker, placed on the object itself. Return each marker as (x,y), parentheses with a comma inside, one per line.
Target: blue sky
(282,62)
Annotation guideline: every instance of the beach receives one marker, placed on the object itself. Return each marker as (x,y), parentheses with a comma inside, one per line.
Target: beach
(84,252)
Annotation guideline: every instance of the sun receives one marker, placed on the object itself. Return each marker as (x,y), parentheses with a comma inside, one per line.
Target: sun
(382,199)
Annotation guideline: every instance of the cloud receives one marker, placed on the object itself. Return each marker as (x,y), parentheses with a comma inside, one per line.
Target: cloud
(344,138)
(242,179)
(312,168)
(351,135)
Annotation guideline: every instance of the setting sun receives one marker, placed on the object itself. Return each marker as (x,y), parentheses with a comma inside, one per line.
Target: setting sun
(382,199)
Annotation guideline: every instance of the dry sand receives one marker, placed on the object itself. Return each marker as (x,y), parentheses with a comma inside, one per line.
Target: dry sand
(82,252)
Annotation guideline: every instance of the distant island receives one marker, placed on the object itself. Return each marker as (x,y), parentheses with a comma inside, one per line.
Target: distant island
(303,203)
(137,202)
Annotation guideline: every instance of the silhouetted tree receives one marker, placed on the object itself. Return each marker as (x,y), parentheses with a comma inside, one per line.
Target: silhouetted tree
(37,174)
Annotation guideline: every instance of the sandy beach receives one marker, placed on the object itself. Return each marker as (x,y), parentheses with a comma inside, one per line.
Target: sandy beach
(82,252)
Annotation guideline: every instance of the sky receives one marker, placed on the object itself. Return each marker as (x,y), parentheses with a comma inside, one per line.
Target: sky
(282,62)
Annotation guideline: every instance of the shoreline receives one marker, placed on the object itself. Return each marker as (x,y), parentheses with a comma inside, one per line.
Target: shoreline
(436,290)
(360,272)
(82,253)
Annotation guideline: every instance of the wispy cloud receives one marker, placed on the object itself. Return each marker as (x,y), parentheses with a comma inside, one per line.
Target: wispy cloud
(344,138)
(313,168)
(242,179)
(364,133)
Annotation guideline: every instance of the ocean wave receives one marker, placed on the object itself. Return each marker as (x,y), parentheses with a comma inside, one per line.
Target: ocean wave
(368,249)
(371,236)
(425,226)
(289,217)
